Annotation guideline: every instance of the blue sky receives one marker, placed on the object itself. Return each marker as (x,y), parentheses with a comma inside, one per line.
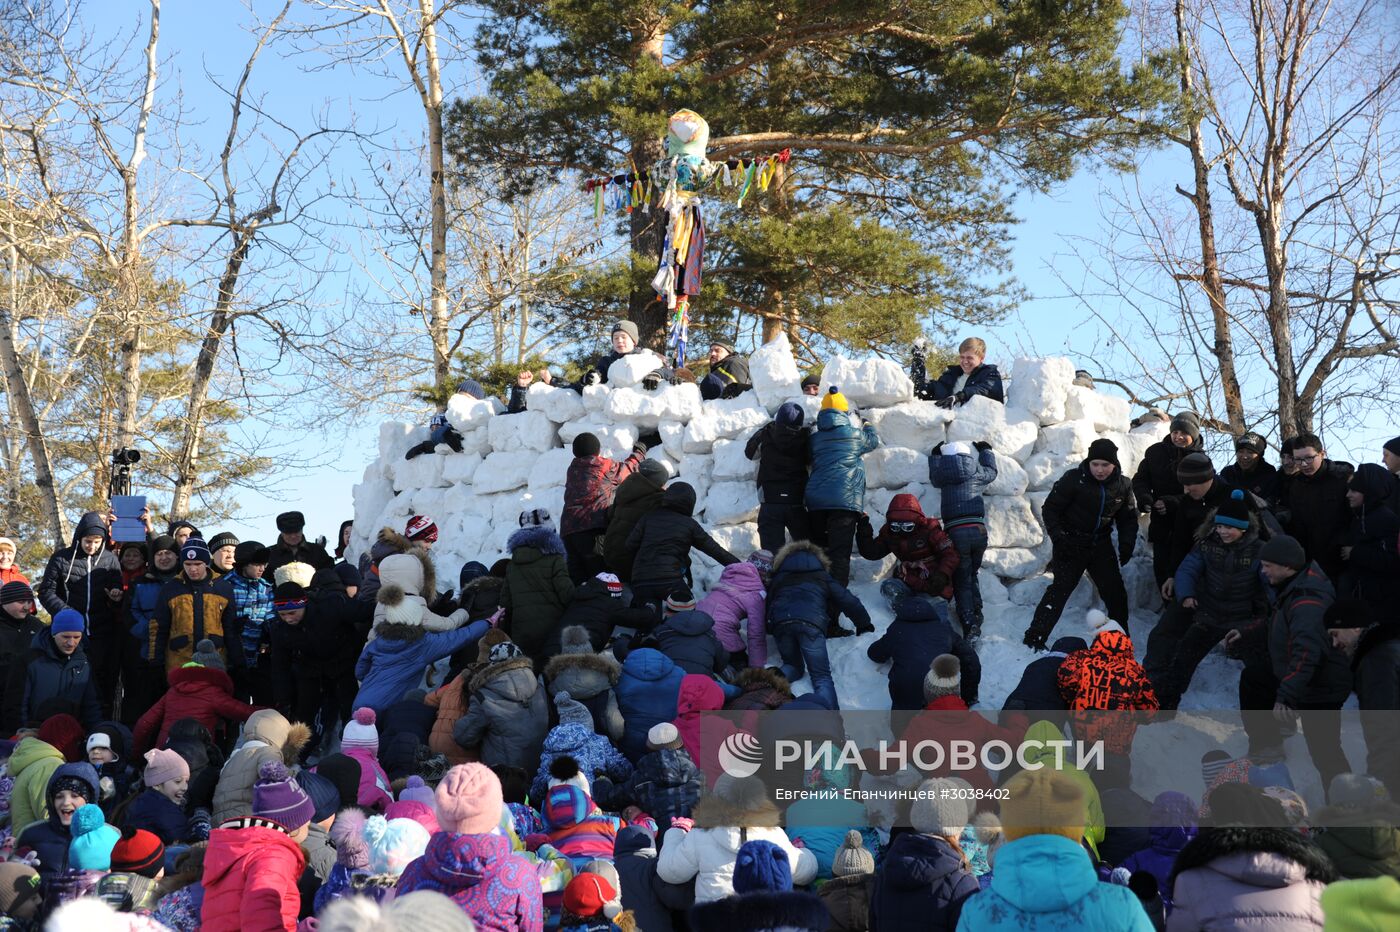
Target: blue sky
(210,36)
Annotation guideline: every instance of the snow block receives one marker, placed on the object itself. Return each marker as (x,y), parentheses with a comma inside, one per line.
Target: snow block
(395,437)
(1042,469)
(466,413)
(868,383)
(421,472)
(595,398)
(1017,436)
(895,467)
(560,405)
(672,438)
(630,369)
(504,470)
(1106,412)
(528,430)
(681,402)
(635,406)
(731,503)
(1014,562)
(1010,523)
(774,373)
(1134,444)
(460,467)
(616,440)
(1011,478)
(731,463)
(1041,387)
(979,418)
(918,425)
(1028,592)
(739,539)
(724,420)
(1072,438)
(550,469)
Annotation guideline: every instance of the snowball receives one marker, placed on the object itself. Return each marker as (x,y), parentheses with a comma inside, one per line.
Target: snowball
(731,503)
(724,420)
(1010,523)
(1107,412)
(774,373)
(1041,387)
(1028,592)
(421,472)
(528,430)
(616,440)
(979,419)
(395,437)
(1011,478)
(595,398)
(466,413)
(503,470)
(560,405)
(1071,438)
(731,463)
(867,383)
(550,469)
(895,467)
(917,425)
(1043,469)
(1014,562)
(460,467)
(630,369)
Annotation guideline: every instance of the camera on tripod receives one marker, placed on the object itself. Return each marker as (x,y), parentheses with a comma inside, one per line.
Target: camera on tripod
(122,461)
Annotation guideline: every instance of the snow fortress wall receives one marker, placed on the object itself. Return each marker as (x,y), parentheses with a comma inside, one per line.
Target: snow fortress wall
(510,463)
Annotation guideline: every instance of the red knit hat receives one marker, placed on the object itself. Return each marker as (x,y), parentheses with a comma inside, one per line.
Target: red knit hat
(139,852)
(589,895)
(64,732)
(421,527)
(469,800)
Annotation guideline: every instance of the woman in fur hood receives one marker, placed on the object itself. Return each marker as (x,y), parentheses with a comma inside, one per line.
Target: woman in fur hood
(537,589)
(589,678)
(1237,877)
(267,736)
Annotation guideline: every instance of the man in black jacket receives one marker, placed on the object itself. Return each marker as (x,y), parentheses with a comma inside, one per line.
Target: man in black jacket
(1250,471)
(293,547)
(729,373)
(1158,490)
(1316,499)
(1080,513)
(784,455)
(662,541)
(1374,650)
(87,577)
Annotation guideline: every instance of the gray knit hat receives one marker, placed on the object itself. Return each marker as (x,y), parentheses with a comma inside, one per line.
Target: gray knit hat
(571,711)
(1188,423)
(938,810)
(944,677)
(207,655)
(852,858)
(1285,551)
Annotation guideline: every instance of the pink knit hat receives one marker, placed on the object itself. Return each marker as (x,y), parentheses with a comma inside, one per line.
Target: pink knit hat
(411,809)
(162,765)
(469,800)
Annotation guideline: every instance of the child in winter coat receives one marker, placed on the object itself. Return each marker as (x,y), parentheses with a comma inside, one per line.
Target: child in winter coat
(638,495)
(783,450)
(763,897)
(599,608)
(1106,678)
(662,541)
(701,733)
(575,826)
(30,766)
(360,742)
(925,881)
(593,904)
(160,809)
(1243,877)
(202,693)
(961,473)
(689,639)
(652,902)
(588,678)
(740,811)
(835,493)
(507,713)
(253,863)
(1173,826)
(739,595)
(666,783)
(1039,686)
(920,632)
(593,754)
(847,895)
(267,736)
(1362,833)
(412,573)
(347,835)
(804,600)
(107,751)
(471,862)
(70,787)
(538,587)
(588,494)
(926,555)
(646,695)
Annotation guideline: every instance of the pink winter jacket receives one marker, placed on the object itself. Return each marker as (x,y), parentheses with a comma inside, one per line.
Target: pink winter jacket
(739,594)
(374,782)
(1247,891)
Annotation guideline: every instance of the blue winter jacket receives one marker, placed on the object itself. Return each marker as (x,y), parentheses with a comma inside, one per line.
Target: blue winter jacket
(920,632)
(837,481)
(923,887)
(595,755)
(802,589)
(1046,883)
(142,600)
(157,815)
(389,667)
(961,480)
(646,695)
(666,784)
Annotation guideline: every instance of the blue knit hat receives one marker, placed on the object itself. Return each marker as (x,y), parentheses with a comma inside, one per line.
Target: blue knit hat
(789,414)
(66,621)
(762,866)
(194,550)
(93,840)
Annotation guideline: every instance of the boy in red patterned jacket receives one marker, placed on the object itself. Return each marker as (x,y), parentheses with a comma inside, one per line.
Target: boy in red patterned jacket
(927,557)
(588,494)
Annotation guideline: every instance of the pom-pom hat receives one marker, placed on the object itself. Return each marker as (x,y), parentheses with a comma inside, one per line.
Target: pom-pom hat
(360,731)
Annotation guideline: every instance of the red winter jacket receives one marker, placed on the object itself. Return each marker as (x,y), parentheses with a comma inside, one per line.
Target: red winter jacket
(200,693)
(1106,678)
(251,870)
(588,491)
(924,555)
(947,719)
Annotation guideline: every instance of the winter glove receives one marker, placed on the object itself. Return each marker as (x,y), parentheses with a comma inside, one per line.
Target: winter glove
(593,378)
(937,449)
(864,627)
(683,823)
(836,631)
(651,438)
(651,381)
(639,448)
(982,446)
(946,402)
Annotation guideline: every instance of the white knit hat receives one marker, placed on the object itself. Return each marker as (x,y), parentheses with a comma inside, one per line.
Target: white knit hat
(957,448)
(360,731)
(938,810)
(663,735)
(1101,622)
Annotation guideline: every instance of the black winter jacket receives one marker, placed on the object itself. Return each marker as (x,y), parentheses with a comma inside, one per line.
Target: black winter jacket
(731,372)
(1309,669)
(638,495)
(662,540)
(984,380)
(1373,572)
(72,579)
(50,674)
(280,554)
(1080,511)
(1376,667)
(1192,518)
(918,634)
(1156,479)
(1224,580)
(16,639)
(1039,687)
(1318,515)
(802,589)
(784,455)
(598,613)
(1262,480)
(688,638)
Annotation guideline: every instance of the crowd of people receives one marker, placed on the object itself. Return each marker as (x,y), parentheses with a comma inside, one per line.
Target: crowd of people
(218,734)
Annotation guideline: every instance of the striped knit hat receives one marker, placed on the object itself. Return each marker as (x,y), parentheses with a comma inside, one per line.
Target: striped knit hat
(944,677)
(279,798)
(360,732)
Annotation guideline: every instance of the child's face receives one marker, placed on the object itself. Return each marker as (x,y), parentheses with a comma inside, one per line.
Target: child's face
(1227,534)
(292,617)
(65,803)
(174,790)
(99,756)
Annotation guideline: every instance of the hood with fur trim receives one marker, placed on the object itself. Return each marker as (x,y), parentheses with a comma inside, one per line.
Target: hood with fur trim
(807,556)
(600,664)
(515,688)
(1260,856)
(735,803)
(411,570)
(790,911)
(542,539)
(272,728)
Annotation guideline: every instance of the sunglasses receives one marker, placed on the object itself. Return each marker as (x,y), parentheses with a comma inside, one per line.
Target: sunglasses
(902,527)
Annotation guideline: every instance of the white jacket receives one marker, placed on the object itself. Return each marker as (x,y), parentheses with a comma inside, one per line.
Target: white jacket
(708,856)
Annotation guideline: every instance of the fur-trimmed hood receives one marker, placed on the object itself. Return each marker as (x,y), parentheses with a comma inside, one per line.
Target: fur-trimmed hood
(600,664)
(543,539)
(272,729)
(790,911)
(806,552)
(752,810)
(411,570)
(1260,856)
(753,679)
(493,671)
(987,827)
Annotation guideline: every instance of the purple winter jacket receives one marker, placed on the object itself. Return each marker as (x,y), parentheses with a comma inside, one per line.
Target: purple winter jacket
(499,890)
(1173,825)
(739,594)
(1249,879)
